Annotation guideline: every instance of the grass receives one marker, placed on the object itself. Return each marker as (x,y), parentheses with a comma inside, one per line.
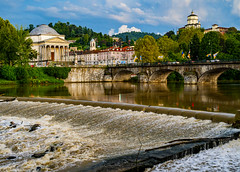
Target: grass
(7,82)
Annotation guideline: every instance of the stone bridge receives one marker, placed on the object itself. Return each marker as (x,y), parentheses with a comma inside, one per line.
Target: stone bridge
(192,73)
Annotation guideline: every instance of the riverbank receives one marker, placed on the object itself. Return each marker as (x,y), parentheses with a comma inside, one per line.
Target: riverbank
(7,82)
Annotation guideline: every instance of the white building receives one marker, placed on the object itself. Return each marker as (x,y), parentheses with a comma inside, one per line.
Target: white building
(192,21)
(50,45)
(216,28)
(93,45)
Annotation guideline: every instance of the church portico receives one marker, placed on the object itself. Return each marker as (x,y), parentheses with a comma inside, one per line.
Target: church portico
(51,46)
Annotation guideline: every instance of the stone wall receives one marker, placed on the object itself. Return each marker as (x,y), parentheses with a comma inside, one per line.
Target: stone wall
(85,74)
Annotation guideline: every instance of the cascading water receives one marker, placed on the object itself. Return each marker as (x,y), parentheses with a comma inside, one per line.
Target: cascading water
(223,158)
(76,135)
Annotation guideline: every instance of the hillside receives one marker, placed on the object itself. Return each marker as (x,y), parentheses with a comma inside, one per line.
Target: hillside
(82,35)
(135,35)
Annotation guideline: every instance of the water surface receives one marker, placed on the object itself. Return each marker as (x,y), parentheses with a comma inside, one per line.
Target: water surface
(218,98)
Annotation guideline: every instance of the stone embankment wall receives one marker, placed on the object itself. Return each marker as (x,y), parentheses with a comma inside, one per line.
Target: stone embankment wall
(86,74)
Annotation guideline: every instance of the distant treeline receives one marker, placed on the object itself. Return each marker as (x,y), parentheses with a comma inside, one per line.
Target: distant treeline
(135,35)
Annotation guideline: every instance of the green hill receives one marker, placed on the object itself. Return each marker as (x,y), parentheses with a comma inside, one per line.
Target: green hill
(135,35)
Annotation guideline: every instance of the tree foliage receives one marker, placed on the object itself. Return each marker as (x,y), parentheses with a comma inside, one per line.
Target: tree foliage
(210,44)
(15,46)
(195,48)
(82,35)
(135,35)
(147,49)
(186,35)
(167,45)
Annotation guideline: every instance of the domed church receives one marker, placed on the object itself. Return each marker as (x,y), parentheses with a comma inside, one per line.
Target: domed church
(50,45)
(192,21)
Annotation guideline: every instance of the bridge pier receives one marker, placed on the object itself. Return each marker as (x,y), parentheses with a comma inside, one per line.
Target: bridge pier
(107,78)
(190,78)
(143,78)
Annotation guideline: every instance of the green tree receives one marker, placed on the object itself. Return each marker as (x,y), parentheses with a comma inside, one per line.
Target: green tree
(231,49)
(24,52)
(132,42)
(210,44)
(186,35)
(9,45)
(232,30)
(31,27)
(195,48)
(15,47)
(167,45)
(147,49)
(171,34)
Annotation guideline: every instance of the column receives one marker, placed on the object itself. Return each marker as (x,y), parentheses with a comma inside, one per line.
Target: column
(55,53)
(59,53)
(45,52)
(64,53)
(40,53)
(49,53)
(68,53)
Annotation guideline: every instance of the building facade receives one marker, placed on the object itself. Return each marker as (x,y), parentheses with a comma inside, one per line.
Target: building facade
(192,21)
(50,45)
(110,56)
(216,28)
(116,55)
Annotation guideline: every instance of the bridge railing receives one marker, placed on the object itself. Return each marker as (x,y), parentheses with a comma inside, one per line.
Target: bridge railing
(71,64)
(176,63)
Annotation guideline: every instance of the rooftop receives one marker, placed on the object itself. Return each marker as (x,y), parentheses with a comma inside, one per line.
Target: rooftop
(43,30)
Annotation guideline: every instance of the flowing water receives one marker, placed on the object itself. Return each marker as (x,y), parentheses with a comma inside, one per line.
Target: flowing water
(220,159)
(76,135)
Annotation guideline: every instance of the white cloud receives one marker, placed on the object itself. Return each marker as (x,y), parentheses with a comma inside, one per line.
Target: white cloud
(123,29)
(236,7)
(124,7)
(138,11)
(111,32)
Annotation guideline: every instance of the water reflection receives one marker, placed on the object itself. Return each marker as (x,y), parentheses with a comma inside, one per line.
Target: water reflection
(224,98)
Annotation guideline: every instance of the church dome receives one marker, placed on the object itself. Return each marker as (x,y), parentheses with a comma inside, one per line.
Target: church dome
(43,30)
(192,14)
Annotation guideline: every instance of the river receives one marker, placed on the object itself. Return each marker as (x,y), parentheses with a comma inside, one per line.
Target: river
(218,98)
(76,136)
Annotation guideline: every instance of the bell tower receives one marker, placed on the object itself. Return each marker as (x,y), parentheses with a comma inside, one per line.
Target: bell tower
(93,45)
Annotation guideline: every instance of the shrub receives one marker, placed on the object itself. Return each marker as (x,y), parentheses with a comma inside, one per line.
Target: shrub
(57,72)
(7,72)
(21,73)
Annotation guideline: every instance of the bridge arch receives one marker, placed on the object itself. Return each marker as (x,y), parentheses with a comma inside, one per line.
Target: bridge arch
(123,75)
(211,76)
(160,76)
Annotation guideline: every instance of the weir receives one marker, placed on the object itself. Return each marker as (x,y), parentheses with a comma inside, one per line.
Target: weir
(214,116)
(78,133)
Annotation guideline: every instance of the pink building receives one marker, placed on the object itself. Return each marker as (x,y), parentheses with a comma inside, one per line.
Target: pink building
(116,55)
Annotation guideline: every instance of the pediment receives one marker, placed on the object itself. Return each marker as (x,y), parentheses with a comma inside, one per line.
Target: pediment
(56,40)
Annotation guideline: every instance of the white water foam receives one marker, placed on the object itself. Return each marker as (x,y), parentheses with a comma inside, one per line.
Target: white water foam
(83,134)
(220,159)
(70,147)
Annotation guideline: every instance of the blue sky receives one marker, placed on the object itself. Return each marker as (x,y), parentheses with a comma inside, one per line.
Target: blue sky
(158,16)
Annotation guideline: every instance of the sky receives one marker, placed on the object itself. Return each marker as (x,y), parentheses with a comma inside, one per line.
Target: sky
(117,16)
